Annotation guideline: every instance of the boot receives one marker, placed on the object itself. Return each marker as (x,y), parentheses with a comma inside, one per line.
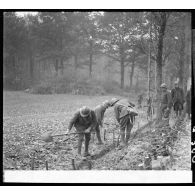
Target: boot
(128,131)
(79,147)
(122,134)
(127,137)
(98,136)
(80,141)
(99,139)
(87,139)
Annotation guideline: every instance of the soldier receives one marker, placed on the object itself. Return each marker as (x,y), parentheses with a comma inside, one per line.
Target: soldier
(165,102)
(188,103)
(125,117)
(178,99)
(84,122)
(99,112)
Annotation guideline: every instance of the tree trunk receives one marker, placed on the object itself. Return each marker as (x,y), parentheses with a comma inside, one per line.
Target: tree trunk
(31,58)
(122,73)
(56,65)
(90,64)
(131,74)
(62,65)
(90,57)
(159,59)
(188,42)
(181,64)
(75,61)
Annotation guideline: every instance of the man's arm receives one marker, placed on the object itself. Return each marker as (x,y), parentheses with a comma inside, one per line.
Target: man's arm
(116,111)
(73,120)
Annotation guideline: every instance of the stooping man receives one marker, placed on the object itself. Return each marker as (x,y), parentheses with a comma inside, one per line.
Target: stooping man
(99,112)
(125,116)
(84,121)
(165,102)
(178,99)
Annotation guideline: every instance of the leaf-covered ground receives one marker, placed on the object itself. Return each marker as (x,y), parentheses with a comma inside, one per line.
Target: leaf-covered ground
(26,117)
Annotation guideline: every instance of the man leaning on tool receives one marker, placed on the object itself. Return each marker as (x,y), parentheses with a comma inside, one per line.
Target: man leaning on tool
(165,102)
(99,112)
(125,115)
(177,99)
(84,122)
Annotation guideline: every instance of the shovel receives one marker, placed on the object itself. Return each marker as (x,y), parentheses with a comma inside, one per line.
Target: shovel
(48,137)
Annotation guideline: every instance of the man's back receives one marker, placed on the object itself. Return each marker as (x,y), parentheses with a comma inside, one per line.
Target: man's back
(177,94)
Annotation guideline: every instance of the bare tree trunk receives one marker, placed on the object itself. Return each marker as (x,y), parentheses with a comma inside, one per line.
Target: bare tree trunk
(187,58)
(90,64)
(31,68)
(75,61)
(122,73)
(90,57)
(131,74)
(181,64)
(159,59)
(56,65)
(62,65)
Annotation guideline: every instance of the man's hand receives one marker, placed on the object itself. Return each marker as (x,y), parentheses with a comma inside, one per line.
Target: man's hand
(67,131)
(88,130)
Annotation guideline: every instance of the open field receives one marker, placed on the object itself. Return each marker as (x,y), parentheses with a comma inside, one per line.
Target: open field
(26,117)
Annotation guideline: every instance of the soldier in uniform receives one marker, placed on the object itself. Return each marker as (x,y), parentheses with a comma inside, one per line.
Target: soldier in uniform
(178,99)
(188,103)
(99,112)
(84,121)
(125,116)
(165,102)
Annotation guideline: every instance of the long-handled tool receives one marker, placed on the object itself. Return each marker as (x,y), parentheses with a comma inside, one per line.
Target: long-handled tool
(48,137)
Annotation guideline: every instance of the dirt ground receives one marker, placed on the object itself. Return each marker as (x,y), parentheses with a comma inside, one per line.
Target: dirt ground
(26,117)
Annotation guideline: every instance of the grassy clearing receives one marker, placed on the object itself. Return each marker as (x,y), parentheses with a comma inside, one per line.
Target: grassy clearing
(27,116)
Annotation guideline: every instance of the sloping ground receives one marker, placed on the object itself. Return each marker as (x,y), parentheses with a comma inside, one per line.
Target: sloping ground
(182,149)
(140,146)
(26,117)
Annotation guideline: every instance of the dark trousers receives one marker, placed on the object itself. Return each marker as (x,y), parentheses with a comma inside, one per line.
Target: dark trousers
(97,130)
(125,124)
(178,107)
(87,137)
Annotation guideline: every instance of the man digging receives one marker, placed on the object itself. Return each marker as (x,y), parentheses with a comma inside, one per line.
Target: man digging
(84,122)
(125,115)
(99,112)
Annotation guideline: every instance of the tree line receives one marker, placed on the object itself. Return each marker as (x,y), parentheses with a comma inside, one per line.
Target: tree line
(159,40)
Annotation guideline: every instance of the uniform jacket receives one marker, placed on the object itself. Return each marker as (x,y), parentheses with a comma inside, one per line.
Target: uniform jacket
(99,112)
(177,95)
(166,100)
(80,124)
(121,108)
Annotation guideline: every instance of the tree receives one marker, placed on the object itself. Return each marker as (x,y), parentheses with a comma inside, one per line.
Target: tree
(117,33)
(14,46)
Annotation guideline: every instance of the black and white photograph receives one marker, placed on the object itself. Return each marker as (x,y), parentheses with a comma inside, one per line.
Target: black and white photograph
(92,92)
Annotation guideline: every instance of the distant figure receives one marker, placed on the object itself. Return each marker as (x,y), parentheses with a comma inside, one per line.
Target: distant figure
(165,102)
(125,116)
(188,103)
(84,121)
(178,99)
(140,99)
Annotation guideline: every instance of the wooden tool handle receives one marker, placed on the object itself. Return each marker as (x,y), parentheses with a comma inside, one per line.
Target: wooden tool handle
(67,134)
